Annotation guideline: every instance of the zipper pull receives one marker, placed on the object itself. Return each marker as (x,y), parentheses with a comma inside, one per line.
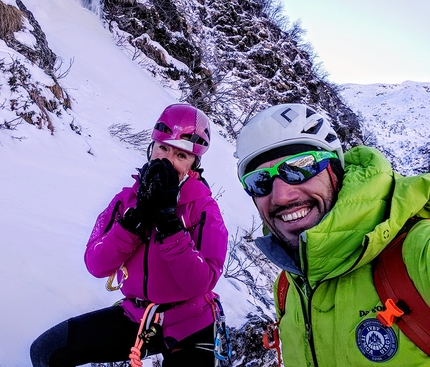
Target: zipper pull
(309,331)
(306,289)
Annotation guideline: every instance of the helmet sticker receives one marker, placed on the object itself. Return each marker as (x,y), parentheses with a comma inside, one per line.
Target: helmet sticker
(289,115)
(376,342)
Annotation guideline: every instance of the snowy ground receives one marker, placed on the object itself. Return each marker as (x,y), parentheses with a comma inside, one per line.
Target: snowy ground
(54,186)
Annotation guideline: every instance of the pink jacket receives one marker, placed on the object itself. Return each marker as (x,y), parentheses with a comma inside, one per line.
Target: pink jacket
(185,267)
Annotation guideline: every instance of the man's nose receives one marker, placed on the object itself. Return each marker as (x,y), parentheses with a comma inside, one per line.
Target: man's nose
(283,193)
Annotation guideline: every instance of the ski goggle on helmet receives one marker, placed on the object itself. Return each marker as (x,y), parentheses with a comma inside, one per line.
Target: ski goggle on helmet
(184,127)
(277,132)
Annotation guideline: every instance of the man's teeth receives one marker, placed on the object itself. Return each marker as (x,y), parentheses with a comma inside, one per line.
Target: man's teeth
(296,215)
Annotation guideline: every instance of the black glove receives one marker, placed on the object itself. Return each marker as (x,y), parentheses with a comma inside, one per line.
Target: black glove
(133,222)
(161,183)
(141,218)
(145,202)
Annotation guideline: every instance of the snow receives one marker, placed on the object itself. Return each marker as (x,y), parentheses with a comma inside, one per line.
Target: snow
(396,120)
(54,186)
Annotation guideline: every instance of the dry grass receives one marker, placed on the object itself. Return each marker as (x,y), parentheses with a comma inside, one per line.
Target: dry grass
(60,94)
(11,19)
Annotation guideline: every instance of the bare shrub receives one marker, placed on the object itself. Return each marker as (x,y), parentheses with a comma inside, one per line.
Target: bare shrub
(29,99)
(11,20)
(124,132)
(274,10)
(10,125)
(248,265)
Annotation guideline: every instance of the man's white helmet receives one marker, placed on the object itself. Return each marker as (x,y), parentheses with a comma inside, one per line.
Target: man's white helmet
(284,125)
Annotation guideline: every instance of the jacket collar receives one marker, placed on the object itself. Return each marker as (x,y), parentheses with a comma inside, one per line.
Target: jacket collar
(275,252)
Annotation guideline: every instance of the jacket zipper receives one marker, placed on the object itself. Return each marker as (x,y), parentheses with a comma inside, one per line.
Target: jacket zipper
(202,222)
(307,311)
(307,316)
(309,292)
(146,265)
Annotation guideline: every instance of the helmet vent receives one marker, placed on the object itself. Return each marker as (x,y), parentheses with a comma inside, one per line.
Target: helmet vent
(314,129)
(309,112)
(194,138)
(161,126)
(330,138)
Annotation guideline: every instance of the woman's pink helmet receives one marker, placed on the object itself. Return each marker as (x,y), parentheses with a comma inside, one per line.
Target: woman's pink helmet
(184,127)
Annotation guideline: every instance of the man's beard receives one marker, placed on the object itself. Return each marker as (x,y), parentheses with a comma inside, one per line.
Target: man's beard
(291,246)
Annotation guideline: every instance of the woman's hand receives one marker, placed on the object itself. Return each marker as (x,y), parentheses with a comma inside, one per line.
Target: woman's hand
(161,182)
(159,186)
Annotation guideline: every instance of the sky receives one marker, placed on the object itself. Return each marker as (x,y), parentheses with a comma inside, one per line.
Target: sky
(54,186)
(367,41)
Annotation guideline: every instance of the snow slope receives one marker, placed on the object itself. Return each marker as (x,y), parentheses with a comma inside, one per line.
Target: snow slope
(54,186)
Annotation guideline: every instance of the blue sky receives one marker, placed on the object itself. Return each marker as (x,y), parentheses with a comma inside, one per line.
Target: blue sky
(367,41)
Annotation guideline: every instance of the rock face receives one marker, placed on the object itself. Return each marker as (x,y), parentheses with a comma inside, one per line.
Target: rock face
(40,54)
(29,100)
(228,58)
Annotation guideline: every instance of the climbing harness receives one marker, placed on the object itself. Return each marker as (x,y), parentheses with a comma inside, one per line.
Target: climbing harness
(149,329)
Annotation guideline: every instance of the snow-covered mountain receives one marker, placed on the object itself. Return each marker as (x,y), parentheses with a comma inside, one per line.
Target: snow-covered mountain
(61,164)
(395,119)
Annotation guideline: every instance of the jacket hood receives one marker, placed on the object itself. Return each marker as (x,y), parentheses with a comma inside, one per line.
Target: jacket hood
(372,207)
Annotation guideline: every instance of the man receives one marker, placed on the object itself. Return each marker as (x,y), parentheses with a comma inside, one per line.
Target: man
(329,216)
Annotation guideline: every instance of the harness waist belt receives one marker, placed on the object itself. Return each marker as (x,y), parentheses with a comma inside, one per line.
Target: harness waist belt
(143,303)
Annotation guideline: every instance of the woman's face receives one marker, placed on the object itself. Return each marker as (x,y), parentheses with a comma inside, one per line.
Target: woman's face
(181,160)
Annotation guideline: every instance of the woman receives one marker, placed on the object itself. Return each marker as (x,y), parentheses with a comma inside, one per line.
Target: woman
(165,239)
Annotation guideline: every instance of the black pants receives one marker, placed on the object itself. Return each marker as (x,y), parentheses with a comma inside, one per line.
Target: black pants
(107,335)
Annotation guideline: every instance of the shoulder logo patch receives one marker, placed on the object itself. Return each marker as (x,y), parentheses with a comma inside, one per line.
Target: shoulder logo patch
(376,342)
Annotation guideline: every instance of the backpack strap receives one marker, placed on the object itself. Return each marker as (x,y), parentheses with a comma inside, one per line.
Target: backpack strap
(404,304)
(283,285)
(271,335)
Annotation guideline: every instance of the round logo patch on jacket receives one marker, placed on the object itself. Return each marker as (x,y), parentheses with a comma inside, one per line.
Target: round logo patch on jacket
(376,342)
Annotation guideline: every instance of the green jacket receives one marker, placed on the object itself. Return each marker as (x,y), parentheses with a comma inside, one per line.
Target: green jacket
(330,317)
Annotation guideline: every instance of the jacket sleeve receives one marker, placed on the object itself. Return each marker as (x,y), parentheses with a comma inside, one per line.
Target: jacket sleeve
(109,245)
(197,271)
